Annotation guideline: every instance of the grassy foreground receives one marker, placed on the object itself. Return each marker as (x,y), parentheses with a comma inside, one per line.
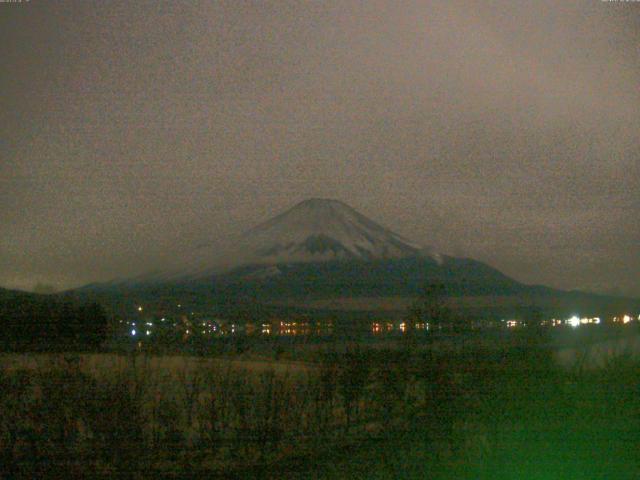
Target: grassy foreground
(495,413)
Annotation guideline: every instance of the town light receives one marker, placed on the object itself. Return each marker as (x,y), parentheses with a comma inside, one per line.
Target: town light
(574,321)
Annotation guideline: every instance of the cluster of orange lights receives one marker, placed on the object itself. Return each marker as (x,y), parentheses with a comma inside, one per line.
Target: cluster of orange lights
(305,327)
(284,328)
(379,327)
(624,319)
(574,321)
(386,327)
(294,328)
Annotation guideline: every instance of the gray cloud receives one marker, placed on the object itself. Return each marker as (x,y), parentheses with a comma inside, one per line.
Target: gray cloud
(133,131)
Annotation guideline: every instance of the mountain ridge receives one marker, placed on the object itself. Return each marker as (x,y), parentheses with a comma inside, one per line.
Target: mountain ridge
(320,229)
(323,248)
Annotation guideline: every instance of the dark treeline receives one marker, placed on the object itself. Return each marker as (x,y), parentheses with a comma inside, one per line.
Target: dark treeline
(30,322)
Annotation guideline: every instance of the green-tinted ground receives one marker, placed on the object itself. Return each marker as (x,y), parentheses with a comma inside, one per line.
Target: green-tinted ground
(507,412)
(524,421)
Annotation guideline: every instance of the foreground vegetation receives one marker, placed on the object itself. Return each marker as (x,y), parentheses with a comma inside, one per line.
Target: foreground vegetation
(359,413)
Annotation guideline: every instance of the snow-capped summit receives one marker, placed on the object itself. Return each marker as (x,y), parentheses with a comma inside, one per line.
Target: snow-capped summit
(323,229)
(315,230)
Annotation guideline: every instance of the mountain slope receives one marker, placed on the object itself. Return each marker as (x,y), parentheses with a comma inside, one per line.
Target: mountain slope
(324,249)
(405,276)
(314,230)
(320,230)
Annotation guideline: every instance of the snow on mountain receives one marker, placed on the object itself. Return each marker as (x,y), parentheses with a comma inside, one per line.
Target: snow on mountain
(315,230)
(320,230)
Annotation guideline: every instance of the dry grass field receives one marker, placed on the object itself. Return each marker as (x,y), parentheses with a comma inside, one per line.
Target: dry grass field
(362,412)
(105,364)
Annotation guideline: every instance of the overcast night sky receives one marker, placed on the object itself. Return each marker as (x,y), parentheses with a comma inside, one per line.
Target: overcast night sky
(508,132)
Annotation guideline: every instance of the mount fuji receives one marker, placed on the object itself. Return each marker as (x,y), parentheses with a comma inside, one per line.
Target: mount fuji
(313,231)
(320,230)
(324,249)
